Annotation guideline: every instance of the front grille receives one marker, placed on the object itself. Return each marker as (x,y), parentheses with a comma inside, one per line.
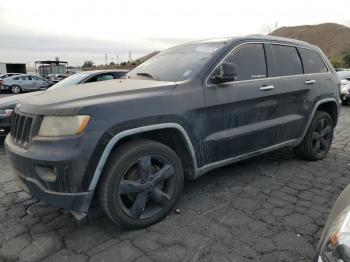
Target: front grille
(21,129)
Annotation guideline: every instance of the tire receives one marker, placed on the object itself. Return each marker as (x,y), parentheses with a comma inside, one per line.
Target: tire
(125,185)
(16,89)
(318,139)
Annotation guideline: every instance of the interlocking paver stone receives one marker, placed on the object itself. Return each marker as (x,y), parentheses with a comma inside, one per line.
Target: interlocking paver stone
(270,208)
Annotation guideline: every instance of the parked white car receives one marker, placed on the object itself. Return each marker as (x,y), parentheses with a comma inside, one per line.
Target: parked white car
(344,77)
(20,83)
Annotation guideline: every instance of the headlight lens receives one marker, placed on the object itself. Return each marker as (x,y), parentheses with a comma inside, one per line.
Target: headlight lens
(6,112)
(337,242)
(63,125)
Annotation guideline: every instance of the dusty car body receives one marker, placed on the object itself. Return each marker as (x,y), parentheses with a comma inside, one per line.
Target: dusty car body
(187,110)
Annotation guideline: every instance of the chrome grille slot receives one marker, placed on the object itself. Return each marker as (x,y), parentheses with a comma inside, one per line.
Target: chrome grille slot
(21,129)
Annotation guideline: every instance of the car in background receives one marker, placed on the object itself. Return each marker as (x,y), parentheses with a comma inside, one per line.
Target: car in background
(334,244)
(21,83)
(8,104)
(56,77)
(90,76)
(3,76)
(344,77)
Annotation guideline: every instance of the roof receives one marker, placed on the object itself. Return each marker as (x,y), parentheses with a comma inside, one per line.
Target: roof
(255,37)
(103,71)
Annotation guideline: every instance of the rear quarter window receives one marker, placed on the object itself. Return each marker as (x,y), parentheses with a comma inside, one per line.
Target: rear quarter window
(312,61)
(286,61)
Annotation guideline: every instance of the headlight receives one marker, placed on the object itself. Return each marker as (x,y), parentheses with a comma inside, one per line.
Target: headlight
(337,242)
(6,112)
(63,125)
(345,89)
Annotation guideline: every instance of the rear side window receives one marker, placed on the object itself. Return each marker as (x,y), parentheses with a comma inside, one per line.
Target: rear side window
(286,60)
(104,77)
(313,63)
(250,61)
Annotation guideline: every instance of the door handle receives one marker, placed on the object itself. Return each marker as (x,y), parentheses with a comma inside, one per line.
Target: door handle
(310,82)
(266,88)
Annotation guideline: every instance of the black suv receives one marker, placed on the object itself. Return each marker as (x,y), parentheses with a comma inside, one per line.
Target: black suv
(188,110)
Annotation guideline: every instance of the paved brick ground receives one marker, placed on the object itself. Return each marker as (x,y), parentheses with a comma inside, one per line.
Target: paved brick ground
(270,208)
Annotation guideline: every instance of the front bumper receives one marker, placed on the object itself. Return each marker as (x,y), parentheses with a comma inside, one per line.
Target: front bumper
(345,97)
(53,171)
(79,202)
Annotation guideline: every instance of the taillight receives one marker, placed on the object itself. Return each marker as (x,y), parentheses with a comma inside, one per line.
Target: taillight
(1,82)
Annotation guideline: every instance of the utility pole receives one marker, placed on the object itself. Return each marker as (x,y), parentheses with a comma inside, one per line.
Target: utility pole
(117,59)
(106,59)
(130,57)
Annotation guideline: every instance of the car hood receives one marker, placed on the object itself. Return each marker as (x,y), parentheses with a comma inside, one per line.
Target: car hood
(70,100)
(10,102)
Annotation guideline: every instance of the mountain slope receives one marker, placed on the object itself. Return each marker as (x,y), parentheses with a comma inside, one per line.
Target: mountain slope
(333,39)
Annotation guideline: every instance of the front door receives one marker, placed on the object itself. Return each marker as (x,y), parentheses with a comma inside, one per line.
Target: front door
(240,116)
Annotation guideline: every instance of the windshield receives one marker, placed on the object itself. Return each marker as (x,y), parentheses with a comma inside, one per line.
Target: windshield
(177,63)
(70,80)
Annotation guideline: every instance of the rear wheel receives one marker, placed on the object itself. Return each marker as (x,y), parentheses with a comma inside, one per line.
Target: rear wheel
(318,139)
(15,89)
(141,184)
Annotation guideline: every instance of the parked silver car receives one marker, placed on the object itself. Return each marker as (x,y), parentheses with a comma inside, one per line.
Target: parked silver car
(20,83)
(3,76)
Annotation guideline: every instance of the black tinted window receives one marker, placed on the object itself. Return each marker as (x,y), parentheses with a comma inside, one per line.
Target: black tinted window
(286,61)
(312,62)
(250,61)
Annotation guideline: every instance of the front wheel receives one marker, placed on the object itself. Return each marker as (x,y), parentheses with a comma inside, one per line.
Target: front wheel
(318,139)
(141,183)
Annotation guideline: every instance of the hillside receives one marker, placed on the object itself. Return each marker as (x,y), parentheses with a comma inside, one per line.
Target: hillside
(333,39)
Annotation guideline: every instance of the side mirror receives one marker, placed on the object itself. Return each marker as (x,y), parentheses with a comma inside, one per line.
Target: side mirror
(226,73)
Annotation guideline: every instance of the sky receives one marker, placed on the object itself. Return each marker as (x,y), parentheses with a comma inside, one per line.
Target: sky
(79,30)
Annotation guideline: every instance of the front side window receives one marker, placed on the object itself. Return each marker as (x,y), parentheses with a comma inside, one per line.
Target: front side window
(249,61)
(286,61)
(313,63)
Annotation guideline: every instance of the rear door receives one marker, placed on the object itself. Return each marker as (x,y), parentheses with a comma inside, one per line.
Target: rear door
(317,71)
(25,82)
(296,91)
(240,117)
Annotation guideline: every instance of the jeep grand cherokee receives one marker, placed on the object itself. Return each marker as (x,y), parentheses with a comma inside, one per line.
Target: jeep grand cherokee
(188,110)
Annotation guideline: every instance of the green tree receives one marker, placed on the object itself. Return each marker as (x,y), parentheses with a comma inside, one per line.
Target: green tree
(337,64)
(346,60)
(88,63)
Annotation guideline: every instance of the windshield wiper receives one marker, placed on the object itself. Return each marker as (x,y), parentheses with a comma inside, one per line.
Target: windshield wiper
(148,75)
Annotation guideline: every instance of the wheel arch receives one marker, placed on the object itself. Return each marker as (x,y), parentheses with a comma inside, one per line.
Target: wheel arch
(170,134)
(328,105)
